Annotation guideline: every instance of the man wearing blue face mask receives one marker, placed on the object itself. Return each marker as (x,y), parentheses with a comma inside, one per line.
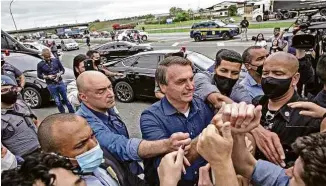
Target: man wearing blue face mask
(70,135)
(280,124)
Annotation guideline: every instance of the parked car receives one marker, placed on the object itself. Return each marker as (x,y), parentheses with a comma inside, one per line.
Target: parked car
(69,44)
(213,30)
(122,35)
(120,49)
(39,47)
(10,44)
(35,92)
(139,72)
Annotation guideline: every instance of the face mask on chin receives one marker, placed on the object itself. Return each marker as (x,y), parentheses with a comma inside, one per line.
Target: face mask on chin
(90,160)
(8,161)
(224,84)
(275,88)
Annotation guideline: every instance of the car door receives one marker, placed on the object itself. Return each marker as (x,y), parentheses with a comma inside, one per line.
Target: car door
(215,30)
(144,73)
(122,49)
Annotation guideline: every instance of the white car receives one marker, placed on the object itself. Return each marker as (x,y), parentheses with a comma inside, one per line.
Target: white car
(39,47)
(123,34)
(69,44)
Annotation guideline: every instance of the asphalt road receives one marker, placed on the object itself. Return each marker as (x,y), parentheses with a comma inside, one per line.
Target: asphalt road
(130,112)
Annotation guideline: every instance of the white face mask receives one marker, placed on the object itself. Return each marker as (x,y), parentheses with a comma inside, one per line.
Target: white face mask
(8,161)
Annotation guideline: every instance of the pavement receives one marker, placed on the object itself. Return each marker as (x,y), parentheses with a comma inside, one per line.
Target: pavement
(130,112)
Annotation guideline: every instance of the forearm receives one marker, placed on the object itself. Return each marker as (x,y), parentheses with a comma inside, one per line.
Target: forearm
(192,154)
(149,149)
(224,174)
(323,125)
(217,99)
(244,163)
(22,80)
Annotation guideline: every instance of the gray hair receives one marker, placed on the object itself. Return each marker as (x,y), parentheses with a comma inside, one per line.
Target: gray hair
(160,74)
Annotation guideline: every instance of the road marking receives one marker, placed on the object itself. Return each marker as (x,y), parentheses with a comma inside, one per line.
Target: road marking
(175,44)
(220,44)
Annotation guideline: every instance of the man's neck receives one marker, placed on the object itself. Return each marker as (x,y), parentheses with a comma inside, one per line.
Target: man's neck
(180,107)
(103,111)
(255,77)
(278,103)
(5,105)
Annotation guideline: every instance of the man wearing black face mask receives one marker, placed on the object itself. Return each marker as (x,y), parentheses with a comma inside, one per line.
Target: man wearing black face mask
(18,122)
(220,87)
(253,58)
(281,124)
(95,56)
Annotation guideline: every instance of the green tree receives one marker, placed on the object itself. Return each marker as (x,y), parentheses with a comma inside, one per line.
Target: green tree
(182,16)
(175,10)
(233,10)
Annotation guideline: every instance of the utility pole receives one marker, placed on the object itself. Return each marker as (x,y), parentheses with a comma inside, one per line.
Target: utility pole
(12,15)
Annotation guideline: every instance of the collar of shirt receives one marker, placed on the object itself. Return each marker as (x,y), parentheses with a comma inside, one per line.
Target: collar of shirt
(168,109)
(250,80)
(285,111)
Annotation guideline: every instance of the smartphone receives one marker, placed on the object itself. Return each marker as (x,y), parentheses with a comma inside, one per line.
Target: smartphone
(89,65)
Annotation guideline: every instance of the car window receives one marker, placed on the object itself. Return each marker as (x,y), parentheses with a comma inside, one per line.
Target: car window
(107,47)
(121,46)
(149,61)
(128,61)
(23,62)
(6,43)
(212,25)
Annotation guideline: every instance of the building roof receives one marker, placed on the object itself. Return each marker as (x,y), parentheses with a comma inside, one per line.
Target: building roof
(238,2)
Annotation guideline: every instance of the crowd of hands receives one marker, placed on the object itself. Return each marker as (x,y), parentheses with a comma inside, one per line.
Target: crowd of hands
(225,145)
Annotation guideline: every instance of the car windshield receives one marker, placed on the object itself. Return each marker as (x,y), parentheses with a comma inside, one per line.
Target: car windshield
(201,61)
(23,62)
(70,41)
(220,23)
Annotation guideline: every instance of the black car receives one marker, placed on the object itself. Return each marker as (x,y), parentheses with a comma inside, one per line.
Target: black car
(35,92)
(120,49)
(139,72)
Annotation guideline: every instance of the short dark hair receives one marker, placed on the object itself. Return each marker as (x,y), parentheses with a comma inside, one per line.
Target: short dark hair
(228,55)
(35,167)
(246,56)
(90,53)
(45,135)
(321,69)
(77,60)
(312,151)
(160,73)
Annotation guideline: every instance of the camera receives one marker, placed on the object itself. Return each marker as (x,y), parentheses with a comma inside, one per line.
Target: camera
(89,65)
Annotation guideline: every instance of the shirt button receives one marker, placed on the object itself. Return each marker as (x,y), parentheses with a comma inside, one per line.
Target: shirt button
(191,133)
(195,172)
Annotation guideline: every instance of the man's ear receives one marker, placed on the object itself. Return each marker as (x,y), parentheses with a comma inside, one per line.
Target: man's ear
(295,79)
(82,97)
(163,88)
(247,66)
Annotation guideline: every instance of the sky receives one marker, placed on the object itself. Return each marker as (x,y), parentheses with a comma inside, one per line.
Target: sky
(29,14)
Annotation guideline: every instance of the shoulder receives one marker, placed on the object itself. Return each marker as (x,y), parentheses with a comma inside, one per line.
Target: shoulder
(260,100)
(154,108)
(41,63)
(203,76)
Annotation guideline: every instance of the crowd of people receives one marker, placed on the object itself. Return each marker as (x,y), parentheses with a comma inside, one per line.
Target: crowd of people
(208,128)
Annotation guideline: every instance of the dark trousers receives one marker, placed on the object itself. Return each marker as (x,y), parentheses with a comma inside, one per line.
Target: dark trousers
(57,91)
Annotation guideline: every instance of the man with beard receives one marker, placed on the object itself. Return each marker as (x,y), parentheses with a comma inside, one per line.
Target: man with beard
(219,87)
(253,58)
(281,124)
(18,129)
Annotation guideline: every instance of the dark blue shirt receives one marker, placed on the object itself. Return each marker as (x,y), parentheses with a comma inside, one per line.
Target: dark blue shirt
(49,68)
(161,120)
(320,99)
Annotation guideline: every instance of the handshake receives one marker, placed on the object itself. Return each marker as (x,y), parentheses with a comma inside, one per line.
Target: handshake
(214,144)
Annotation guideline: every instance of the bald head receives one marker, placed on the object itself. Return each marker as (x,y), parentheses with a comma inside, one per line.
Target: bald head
(88,79)
(48,130)
(283,60)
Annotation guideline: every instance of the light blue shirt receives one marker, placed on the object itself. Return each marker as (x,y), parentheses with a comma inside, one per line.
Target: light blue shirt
(269,174)
(253,88)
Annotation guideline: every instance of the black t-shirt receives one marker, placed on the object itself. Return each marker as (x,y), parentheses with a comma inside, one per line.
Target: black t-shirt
(287,123)
(244,24)
(320,99)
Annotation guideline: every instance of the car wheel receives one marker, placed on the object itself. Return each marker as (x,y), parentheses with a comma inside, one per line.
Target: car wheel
(32,97)
(124,92)
(144,38)
(259,18)
(103,60)
(323,12)
(197,38)
(226,36)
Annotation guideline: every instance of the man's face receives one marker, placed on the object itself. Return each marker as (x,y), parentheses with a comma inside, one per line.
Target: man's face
(228,69)
(96,56)
(277,69)
(75,138)
(295,173)
(180,86)
(47,56)
(100,95)
(276,32)
(81,67)
(258,56)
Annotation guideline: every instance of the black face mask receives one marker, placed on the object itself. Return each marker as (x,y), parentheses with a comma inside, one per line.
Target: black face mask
(97,62)
(274,88)
(259,70)
(9,97)
(224,84)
